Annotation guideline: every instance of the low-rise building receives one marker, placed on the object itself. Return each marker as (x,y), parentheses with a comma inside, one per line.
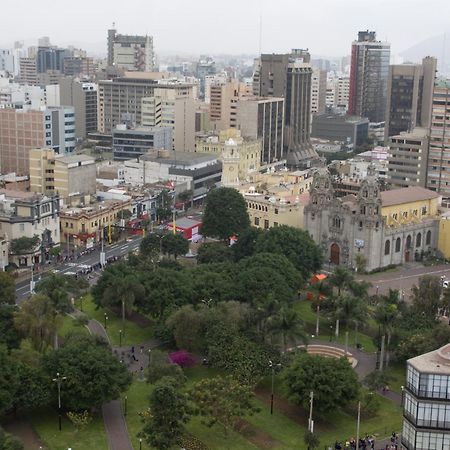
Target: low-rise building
(84,227)
(26,214)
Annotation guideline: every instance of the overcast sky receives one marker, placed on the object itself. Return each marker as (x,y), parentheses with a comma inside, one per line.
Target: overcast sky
(326,27)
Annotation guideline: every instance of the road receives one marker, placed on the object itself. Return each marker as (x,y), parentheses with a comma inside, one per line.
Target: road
(117,249)
(403,278)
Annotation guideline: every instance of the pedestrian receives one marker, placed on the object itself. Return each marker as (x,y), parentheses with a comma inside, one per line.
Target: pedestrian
(142,349)
(132,349)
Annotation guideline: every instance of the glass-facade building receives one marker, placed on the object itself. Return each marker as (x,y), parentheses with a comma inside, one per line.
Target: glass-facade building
(426,402)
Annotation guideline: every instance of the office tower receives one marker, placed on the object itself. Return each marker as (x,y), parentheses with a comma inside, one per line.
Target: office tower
(130,52)
(173,108)
(51,58)
(263,118)
(408,156)
(318,91)
(438,176)
(342,92)
(24,129)
(289,76)
(7,61)
(368,77)
(28,71)
(78,66)
(409,96)
(120,99)
(83,97)
(204,67)
(133,143)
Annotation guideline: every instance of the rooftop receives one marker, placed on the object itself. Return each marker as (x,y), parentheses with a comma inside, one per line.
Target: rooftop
(407,195)
(184,222)
(172,157)
(437,361)
(75,158)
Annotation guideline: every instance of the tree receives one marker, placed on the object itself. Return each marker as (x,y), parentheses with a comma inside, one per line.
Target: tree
(246,243)
(93,374)
(293,243)
(426,297)
(80,420)
(24,244)
(37,319)
(340,278)
(312,373)
(311,440)
(8,332)
(9,381)
(9,442)
(7,289)
(55,287)
(150,247)
(160,367)
(210,283)
(223,400)
(164,205)
(175,244)
(287,324)
(225,213)
(214,252)
(169,410)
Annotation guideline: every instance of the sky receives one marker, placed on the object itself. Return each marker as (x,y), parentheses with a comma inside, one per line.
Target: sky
(326,27)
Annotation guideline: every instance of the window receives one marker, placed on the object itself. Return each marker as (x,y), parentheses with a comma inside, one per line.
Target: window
(257,221)
(424,210)
(398,244)
(387,247)
(266,224)
(428,238)
(276,210)
(419,240)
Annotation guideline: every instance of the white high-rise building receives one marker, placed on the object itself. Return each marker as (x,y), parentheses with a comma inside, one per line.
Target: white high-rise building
(318,91)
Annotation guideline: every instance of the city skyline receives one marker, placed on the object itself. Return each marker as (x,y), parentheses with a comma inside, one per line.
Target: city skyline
(303,25)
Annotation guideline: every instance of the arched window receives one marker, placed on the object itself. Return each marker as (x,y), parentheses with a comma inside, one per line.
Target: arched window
(428,238)
(398,244)
(337,222)
(387,247)
(408,242)
(419,240)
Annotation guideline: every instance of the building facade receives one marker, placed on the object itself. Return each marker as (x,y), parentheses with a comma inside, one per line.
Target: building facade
(318,90)
(133,143)
(368,77)
(426,401)
(409,96)
(382,228)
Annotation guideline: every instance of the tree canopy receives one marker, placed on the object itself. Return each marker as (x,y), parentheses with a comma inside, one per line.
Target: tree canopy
(225,213)
(7,289)
(333,382)
(295,244)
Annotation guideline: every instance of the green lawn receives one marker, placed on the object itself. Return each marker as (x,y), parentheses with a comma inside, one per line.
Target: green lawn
(70,324)
(92,437)
(397,372)
(309,316)
(133,333)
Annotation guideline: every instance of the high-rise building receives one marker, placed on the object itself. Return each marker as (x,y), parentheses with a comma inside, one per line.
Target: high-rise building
(51,58)
(174,108)
(7,61)
(78,66)
(438,176)
(83,97)
(24,129)
(28,71)
(130,52)
(409,96)
(318,90)
(204,67)
(263,118)
(426,401)
(408,157)
(368,77)
(342,92)
(289,76)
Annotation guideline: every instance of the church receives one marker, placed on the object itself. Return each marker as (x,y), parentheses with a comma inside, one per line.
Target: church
(379,228)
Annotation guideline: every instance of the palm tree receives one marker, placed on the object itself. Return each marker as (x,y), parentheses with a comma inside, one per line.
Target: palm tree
(351,310)
(387,315)
(287,324)
(359,289)
(340,278)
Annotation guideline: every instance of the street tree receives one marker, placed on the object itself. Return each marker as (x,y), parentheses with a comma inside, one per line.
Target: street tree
(93,374)
(293,243)
(426,296)
(246,243)
(175,245)
(24,244)
(38,320)
(311,440)
(333,382)
(150,248)
(225,213)
(169,411)
(9,335)
(223,400)
(55,287)
(7,289)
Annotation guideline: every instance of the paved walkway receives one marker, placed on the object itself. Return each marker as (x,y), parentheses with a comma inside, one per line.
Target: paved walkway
(25,432)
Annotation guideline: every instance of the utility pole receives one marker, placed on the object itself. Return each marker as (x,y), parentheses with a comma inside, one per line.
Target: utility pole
(382,352)
(317,320)
(58,380)
(32,283)
(272,366)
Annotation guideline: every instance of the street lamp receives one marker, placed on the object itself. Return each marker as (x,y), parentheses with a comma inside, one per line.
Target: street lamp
(106,318)
(140,443)
(120,338)
(331,333)
(125,406)
(58,380)
(272,366)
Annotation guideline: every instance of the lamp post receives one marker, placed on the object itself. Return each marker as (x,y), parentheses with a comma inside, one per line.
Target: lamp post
(140,443)
(358,423)
(81,303)
(331,333)
(58,380)
(120,338)
(310,420)
(272,366)
(125,406)
(106,318)
(149,356)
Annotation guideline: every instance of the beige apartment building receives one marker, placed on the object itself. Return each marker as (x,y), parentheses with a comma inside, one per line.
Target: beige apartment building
(246,152)
(82,227)
(72,177)
(174,108)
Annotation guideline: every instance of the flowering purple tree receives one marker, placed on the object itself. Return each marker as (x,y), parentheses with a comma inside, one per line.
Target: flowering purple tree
(182,358)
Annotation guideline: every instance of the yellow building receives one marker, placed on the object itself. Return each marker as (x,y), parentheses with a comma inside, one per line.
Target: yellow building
(229,141)
(82,227)
(444,235)
(267,211)
(73,177)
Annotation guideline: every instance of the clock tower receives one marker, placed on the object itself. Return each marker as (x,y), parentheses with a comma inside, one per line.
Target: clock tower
(230,164)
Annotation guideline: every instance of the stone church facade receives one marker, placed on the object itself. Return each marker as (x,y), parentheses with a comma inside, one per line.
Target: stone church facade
(391,227)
